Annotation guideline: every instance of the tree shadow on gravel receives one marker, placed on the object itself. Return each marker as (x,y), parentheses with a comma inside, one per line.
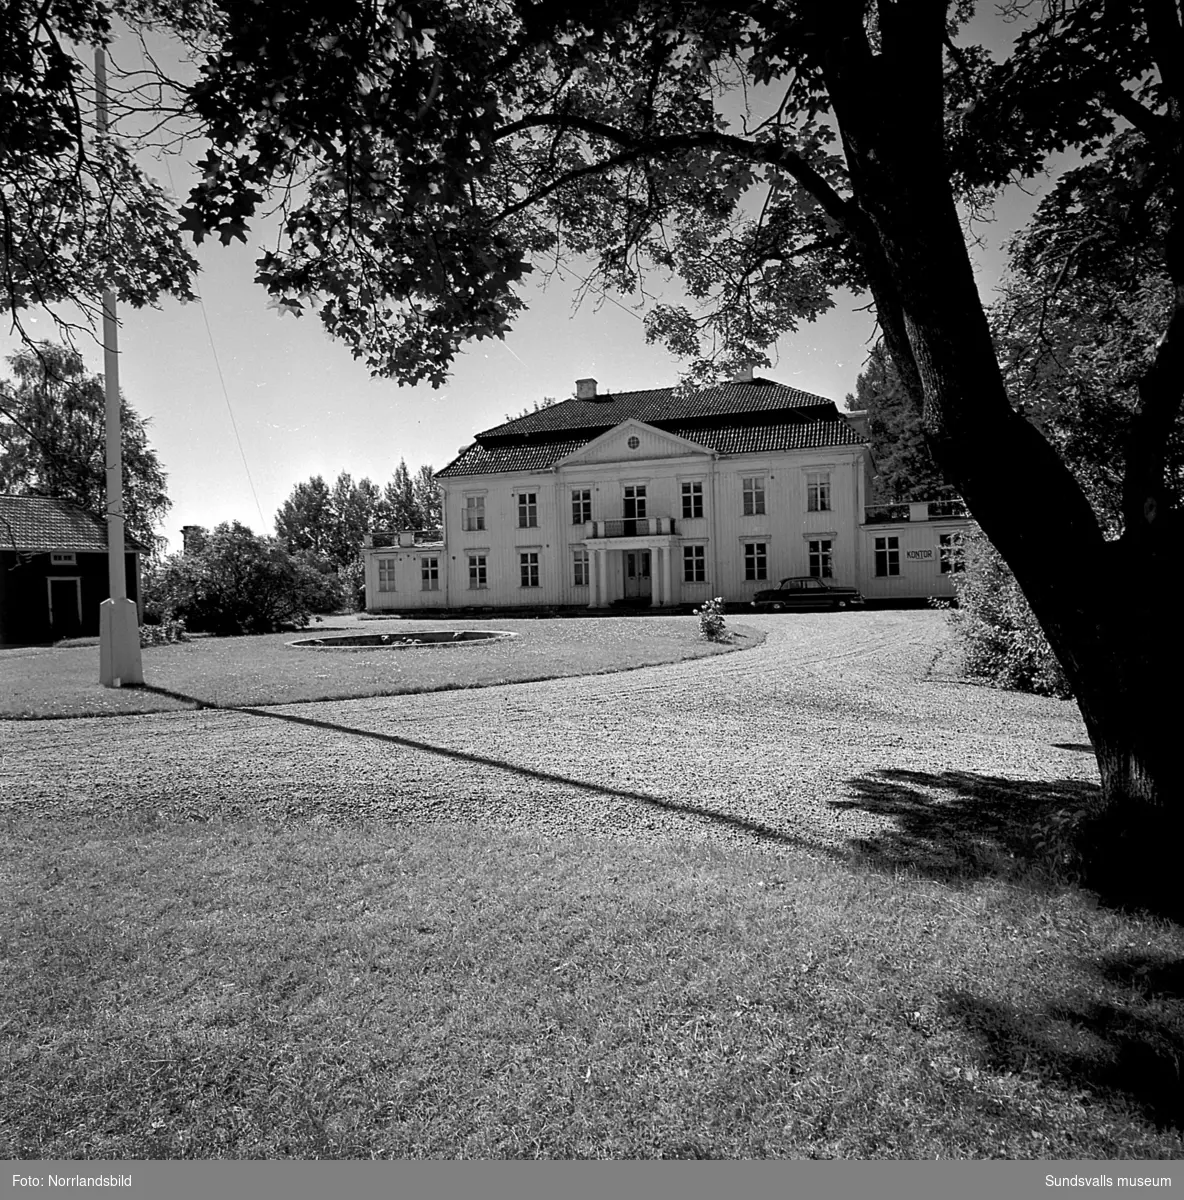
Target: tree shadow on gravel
(755,829)
(956,825)
(1121,1040)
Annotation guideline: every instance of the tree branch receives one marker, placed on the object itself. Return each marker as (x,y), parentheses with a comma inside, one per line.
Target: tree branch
(766,153)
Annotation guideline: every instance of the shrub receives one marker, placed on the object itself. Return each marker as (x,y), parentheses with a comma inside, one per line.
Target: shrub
(711,621)
(326,588)
(163,633)
(236,583)
(1000,638)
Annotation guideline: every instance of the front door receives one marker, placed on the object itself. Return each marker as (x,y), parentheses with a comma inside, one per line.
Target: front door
(637,574)
(65,608)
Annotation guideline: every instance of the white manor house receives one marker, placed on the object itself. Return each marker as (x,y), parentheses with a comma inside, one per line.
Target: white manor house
(664,497)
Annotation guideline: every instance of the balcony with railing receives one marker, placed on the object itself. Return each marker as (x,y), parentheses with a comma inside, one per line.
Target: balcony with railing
(915,510)
(403,539)
(947,508)
(627,527)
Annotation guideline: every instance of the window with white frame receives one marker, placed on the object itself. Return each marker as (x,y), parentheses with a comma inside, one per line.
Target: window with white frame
(528,510)
(756,560)
(694,564)
(581,505)
(818,491)
(951,553)
(528,563)
(887,556)
(474,514)
(386,574)
(579,561)
(478,573)
(821,558)
(634,501)
(429,573)
(754,496)
(692,501)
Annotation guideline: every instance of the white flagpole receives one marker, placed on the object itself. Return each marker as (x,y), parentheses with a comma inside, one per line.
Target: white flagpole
(119,632)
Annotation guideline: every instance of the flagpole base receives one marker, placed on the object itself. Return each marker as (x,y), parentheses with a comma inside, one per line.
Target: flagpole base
(119,644)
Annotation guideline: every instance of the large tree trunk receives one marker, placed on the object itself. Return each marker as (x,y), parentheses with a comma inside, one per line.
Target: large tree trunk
(1109,611)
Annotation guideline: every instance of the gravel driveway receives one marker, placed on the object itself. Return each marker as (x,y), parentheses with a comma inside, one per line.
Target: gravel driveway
(842,730)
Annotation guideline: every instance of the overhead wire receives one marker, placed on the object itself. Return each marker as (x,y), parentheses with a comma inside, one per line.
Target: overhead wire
(221,379)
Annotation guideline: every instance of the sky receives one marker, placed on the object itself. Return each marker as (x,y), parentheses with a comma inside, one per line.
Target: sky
(244,403)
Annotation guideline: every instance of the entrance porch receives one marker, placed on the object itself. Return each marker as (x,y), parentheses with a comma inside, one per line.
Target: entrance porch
(632,569)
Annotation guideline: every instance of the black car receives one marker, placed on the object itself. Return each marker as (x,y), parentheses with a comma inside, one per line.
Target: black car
(805,591)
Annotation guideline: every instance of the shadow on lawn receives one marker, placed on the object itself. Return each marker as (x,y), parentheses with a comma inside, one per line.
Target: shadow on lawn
(959,825)
(1128,1051)
(761,832)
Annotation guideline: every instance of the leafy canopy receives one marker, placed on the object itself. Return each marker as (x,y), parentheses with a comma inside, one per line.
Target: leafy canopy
(53,441)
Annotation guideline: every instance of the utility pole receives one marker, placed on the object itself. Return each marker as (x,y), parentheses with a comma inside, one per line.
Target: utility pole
(119,630)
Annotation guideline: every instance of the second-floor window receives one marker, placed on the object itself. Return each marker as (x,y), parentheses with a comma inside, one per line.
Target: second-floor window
(529,566)
(756,560)
(581,505)
(528,510)
(887,556)
(478,574)
(821,558)
(818,491)
(474,515)
(692,501)
(754,496)
(429,572)
(694,564)
(634,501)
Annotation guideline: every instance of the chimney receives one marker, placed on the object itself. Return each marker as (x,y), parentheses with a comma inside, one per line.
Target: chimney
(193,539)
(743,375)
(585,389)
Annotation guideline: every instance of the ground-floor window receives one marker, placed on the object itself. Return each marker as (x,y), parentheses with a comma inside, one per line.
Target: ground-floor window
(478,576)
(429,571)
(756,560)
(529,565)
(694,564)
(887,556)
(579,559)
(386,574)
(951,553)
(822,564)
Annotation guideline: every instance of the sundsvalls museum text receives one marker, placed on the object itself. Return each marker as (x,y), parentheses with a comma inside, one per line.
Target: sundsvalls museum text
(1106,1181)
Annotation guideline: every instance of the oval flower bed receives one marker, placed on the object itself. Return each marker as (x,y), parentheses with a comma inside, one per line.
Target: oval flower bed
(400,641)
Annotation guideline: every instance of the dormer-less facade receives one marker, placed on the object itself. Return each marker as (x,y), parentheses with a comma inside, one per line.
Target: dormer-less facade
(666,497)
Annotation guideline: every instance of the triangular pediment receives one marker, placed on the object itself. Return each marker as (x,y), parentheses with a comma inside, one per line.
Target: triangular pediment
(615,446)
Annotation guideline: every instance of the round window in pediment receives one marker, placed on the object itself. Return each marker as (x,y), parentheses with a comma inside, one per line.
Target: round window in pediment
(633,443)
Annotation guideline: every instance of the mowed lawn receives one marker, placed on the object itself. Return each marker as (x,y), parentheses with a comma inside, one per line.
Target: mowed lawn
(224,672)
(784,903)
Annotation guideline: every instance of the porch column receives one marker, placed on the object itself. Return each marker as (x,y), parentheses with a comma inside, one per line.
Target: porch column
(657,600)
(600,591)
(666,576)
(593,576)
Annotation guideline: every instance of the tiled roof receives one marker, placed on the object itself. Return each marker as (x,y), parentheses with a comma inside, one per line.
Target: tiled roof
(514,456)
(735,418)
(750,438)
(38,523)
(723,437)
(656,405)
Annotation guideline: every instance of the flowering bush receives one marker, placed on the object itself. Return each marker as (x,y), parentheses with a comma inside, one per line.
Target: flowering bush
(1001,640)
(711,621)
(163,633)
